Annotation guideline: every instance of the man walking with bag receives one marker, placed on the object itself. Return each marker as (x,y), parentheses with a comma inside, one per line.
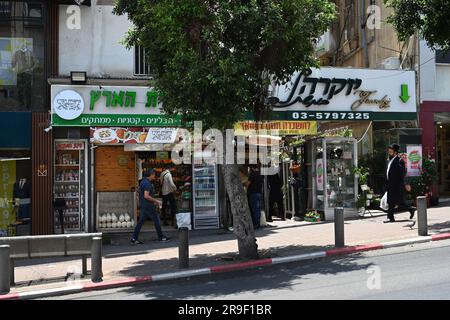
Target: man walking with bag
(395,184)
(168,189)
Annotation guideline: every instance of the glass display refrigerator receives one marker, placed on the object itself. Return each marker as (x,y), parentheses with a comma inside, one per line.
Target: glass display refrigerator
(334,183)
(205,197)
(70,184)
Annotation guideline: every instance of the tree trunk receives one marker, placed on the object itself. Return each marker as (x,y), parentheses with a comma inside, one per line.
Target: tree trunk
(242,221)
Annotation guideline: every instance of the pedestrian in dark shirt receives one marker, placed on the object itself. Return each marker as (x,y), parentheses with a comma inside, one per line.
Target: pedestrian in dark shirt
(275,196)
(254,193)
(148,204)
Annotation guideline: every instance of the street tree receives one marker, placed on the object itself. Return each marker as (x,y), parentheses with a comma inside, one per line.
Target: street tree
(214,61)
(428,17)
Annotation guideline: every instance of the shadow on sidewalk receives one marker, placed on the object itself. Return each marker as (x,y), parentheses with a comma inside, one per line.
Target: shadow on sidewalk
(146,267)
(441,226)
(251,280)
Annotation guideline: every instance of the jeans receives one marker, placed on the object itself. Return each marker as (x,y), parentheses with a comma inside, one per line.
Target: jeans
(148,214)
(169,200)
(255,207)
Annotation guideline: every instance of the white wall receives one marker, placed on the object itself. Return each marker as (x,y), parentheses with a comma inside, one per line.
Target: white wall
(434,78)
(96,47)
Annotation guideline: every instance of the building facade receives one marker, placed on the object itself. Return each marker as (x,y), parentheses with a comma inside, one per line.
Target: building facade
(362,38)
(435,111)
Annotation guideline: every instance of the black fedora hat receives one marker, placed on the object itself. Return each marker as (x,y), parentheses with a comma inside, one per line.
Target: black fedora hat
(394,147)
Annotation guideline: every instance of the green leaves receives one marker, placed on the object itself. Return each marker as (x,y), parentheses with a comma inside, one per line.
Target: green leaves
(215,59)
(428,17)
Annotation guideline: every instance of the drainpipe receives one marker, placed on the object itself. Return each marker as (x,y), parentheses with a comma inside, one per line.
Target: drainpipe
(362,7)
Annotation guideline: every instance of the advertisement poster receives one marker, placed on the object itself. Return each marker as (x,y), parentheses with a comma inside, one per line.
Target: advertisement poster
(414,163)
(8,177)
(285,128)
(319,174)
(15,56)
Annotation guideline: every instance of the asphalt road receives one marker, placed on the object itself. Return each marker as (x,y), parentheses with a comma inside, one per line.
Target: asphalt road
(412,272)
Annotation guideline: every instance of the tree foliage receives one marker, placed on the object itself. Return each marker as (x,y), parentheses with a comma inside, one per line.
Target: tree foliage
(429,17)
(214,60)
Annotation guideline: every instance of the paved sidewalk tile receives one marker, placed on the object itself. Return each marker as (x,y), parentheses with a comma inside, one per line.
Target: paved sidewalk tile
(284,238)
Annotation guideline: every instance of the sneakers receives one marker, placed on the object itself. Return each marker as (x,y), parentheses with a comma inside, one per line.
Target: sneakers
(133,241)
(164,239)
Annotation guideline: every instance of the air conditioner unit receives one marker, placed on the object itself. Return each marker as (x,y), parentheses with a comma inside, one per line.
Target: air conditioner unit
(325,44)
(391,63)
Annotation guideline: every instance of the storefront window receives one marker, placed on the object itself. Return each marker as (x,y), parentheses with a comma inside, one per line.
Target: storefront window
(22,83)
(15,193)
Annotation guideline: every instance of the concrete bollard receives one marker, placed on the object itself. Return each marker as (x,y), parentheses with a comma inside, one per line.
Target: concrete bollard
(5,274)
(183,248)
(96,260)
(422,220)
(339,227)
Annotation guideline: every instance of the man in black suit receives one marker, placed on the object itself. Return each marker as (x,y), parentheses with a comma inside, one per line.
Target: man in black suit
(395,184)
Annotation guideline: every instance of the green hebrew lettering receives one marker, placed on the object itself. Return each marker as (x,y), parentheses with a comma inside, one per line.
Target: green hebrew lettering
(131,95)
(95,96)
(152,99)
(108,95)
(118,98)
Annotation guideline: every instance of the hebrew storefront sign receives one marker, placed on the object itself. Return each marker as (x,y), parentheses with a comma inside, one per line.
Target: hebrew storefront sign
(86,106)
(284,128)
(135,135)
(328,94)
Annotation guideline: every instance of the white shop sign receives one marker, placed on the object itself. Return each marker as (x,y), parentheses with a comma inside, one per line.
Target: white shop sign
(353,94)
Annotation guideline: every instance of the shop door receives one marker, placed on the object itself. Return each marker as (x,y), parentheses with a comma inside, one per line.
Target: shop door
(443,157)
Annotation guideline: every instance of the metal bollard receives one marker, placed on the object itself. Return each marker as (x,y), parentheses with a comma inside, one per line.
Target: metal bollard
(422,220)
(183,248)
(5,285)
(96,260)
(339,227)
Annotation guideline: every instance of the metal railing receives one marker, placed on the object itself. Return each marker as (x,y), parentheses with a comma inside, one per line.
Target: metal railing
(29,247)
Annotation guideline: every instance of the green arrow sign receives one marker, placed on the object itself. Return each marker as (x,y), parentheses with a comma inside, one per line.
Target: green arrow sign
(405,93)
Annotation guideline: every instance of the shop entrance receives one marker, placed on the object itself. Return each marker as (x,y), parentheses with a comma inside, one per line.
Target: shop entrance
(442,125)
(118,174)
(182,177)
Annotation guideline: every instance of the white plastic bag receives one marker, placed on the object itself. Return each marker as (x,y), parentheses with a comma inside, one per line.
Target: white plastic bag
(263,221)
(383,203)
(184,220)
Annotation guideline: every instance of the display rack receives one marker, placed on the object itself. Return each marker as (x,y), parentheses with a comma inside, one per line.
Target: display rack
(333,179)
(69,183)
(206,213)
(116,211)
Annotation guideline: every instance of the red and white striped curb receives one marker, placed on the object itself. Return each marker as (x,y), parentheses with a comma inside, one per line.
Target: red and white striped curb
(218,269)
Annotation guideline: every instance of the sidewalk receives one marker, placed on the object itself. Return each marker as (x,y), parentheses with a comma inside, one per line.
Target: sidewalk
(286,238)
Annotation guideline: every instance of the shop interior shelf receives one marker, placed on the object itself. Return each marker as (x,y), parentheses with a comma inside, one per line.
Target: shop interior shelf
(67,165)
(69,181)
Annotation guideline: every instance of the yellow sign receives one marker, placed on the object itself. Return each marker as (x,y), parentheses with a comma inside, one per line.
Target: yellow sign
(7,180)
(285,128)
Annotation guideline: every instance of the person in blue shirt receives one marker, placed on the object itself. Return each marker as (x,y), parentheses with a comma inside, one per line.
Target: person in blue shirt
(148,203)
